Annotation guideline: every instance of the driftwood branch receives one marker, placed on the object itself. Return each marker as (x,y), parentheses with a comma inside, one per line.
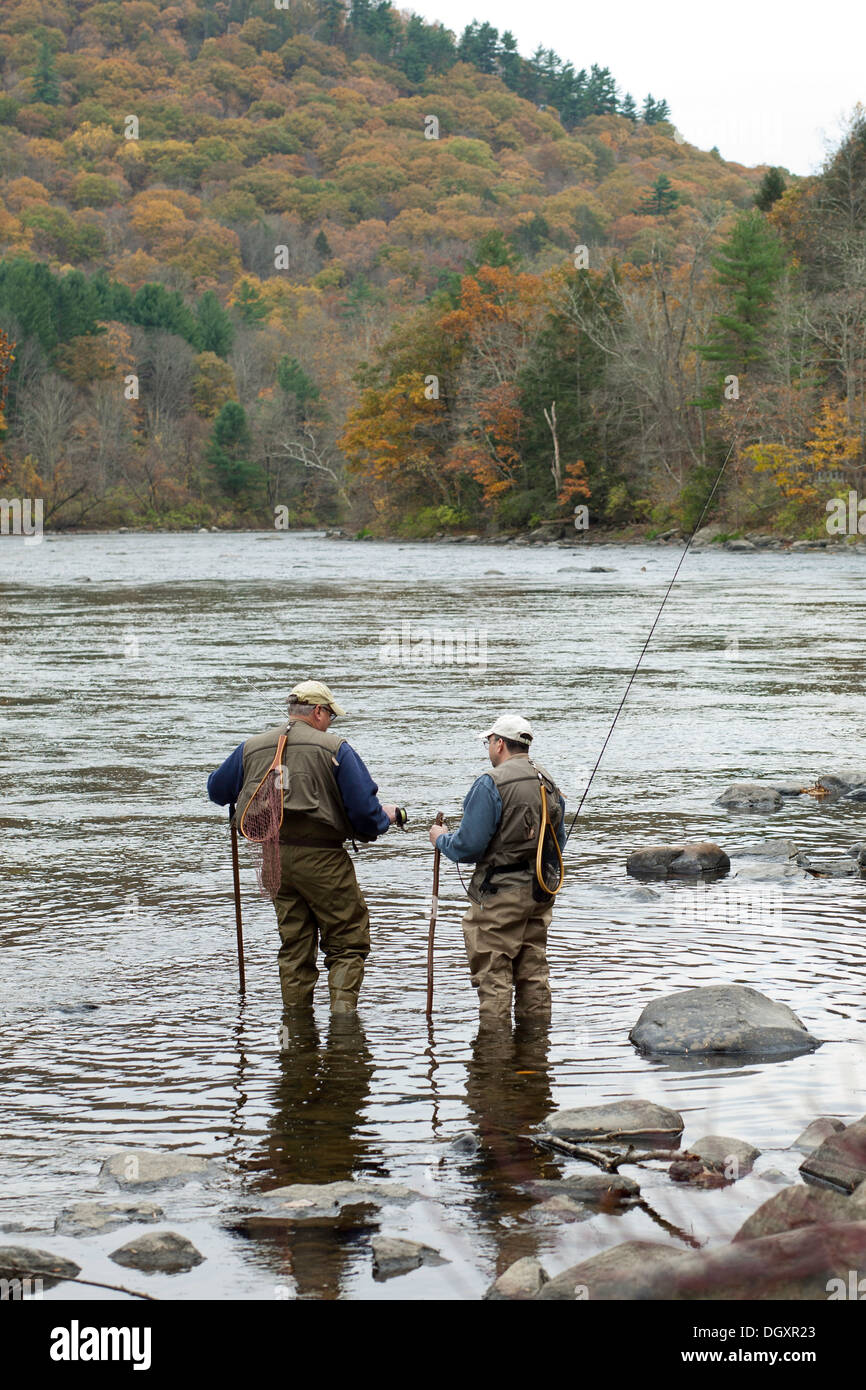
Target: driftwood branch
(608,1162)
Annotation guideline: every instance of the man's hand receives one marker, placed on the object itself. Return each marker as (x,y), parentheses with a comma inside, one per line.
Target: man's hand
(391,813)
(436,831)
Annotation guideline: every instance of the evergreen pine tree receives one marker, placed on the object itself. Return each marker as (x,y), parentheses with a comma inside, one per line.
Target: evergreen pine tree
(662,198)
(215,331)
(747,268)
(772,187)
(227,451)
(46,84)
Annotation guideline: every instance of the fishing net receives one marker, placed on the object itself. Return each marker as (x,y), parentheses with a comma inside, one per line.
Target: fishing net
(261,820)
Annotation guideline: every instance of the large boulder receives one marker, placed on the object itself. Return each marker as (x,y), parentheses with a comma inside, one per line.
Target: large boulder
(618,1121)
(798,1206)
(624,1271)
(684,861)
(796,1264)
(841,1160)
(733,1020)
(750,796)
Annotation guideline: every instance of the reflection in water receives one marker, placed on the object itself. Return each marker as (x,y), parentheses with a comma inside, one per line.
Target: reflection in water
(507,1095)
(314,1137)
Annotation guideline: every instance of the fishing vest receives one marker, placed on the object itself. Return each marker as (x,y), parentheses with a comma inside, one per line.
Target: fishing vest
(516,836)
(312,805)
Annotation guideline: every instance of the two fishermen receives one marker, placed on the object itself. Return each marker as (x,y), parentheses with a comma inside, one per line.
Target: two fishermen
(328,796)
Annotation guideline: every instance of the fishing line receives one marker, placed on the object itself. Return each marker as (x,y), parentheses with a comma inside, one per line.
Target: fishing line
(649,636)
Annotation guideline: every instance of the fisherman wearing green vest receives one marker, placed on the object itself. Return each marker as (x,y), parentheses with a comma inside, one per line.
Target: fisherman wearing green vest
(328,796)
(505,929)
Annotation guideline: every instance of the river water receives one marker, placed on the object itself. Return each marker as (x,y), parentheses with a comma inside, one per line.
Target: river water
(133,664)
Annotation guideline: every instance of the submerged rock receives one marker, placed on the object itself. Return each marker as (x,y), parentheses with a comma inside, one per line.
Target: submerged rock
(624,1271)
(145,1168)
(618,1120)
(88,1218)
(161,1251)
(750,796)
(679,860)
(605,1190)
(841,1160)
(797,1206)
(730,1019)
(524,1279)
(303,1201)
(815,1133)
(394,1255)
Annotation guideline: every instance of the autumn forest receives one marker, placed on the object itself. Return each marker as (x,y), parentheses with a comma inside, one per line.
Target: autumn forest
(330,263)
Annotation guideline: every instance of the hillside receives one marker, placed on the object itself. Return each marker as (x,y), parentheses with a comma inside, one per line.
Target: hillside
(234,237)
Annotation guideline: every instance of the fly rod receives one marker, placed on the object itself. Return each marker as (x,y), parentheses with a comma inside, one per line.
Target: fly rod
(649,636)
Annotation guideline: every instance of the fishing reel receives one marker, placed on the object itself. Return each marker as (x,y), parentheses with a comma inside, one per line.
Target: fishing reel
(401,816)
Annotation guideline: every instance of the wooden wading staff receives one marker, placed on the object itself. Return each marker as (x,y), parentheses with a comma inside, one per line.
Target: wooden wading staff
(433,911)
(237,876)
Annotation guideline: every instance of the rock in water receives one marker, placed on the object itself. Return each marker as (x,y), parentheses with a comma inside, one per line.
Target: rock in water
(162,1251)
(679,860)
(524,1279)
(144,1168)
(734,1156)
(732,1020)
(841,1160)
(394,1255)
(815,1133)
(750,796)
(794,1207)
(88,1218)
(621,1272)
(19,1262)
(617,1121)
(605,1190)
(805,1264)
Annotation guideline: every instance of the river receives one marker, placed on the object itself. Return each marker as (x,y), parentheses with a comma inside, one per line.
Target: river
(133,664)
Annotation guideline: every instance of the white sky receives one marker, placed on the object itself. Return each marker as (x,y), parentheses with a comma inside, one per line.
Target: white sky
(767,81)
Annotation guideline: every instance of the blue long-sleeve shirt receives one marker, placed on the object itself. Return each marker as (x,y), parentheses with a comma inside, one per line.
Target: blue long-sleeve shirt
(482,812)
(367,817)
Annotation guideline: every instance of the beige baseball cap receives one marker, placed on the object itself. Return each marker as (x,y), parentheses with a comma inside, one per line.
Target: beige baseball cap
(316,693)
(512,726)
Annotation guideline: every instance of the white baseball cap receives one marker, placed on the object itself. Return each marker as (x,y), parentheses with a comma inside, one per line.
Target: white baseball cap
(510,726)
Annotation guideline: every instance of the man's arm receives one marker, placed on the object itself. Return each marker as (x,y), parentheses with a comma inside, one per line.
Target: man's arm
(367,816)
(224,785)
(482,812)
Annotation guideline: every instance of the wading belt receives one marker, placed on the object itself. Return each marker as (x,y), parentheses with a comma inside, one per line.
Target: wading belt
(488,887)
(311,843)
